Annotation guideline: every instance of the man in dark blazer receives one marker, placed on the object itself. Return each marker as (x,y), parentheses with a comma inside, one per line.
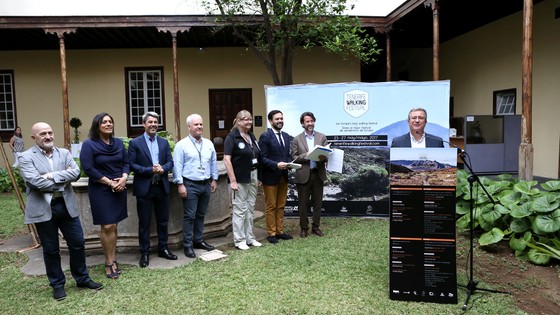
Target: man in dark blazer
(51,205)
(275,156)
(417,138)
(150,159)
(311,176)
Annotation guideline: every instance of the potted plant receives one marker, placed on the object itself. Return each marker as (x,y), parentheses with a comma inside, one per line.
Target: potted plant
(76,146)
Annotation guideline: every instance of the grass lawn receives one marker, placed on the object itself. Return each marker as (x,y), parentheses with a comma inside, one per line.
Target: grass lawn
(345,272)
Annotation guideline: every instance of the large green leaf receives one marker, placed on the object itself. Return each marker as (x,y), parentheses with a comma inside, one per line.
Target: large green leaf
(505,177)
(520,225)
(519,244)
(526,187)
(545,203)
(512,198)
(548,223)
(464,221)
(491,237)
(521,211)
(490,213)
(501,209)
(538,257)
(551,185)
(462,207)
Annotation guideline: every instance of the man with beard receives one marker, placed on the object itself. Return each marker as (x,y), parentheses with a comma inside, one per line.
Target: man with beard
(311,176)
(51,205)
(150,160)
(275,156)
(195,172)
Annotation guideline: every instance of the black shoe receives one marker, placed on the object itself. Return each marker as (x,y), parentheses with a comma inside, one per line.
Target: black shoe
(303,233)
(167,254)
(144,261)
(91,285)
(189,252)
(317,231)
(272,239)
(284,236)
(204,245)
(59,294)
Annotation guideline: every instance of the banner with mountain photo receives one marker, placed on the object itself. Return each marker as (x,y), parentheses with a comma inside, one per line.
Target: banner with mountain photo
(361,119)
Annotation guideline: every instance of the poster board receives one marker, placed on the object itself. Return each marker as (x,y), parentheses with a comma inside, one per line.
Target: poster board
(361,119)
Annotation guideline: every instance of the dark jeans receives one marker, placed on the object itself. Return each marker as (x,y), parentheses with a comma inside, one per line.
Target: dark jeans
(194,210)
(72,231)
(158,200)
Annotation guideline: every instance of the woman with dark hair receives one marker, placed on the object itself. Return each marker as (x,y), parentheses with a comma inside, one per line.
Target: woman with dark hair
(241,158)
(16,144)
(104,159)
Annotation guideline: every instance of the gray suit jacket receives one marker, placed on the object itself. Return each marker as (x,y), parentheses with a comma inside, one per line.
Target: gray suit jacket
(33,164)
(299,149)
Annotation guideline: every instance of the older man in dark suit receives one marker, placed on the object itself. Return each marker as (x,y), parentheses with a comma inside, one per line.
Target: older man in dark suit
(417,138)
(311,176)
(275,156)
(51,204)
(150,159)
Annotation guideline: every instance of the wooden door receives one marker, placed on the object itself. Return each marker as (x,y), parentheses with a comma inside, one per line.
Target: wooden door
(224,106)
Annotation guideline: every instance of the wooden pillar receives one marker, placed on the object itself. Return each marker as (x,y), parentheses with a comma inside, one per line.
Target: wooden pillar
(388,57)
(65,112)
(177,121)
(435,61)
(526,146)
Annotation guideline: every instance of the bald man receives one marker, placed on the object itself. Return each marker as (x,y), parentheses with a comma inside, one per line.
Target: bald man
(51,205)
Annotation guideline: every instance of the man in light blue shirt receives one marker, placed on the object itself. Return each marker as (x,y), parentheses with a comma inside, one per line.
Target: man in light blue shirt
(195,172)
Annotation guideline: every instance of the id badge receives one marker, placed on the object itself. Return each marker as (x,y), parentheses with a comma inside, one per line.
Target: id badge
(201,169)
(255,161)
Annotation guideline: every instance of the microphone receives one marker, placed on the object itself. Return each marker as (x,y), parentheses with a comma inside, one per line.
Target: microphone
(427,136)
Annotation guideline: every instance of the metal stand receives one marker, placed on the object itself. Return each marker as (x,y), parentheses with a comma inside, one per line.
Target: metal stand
(472,286)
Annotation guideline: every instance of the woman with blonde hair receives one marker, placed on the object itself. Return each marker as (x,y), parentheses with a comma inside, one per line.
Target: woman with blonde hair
(241,158)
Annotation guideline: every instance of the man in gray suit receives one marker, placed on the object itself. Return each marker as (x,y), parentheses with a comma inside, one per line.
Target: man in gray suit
(311,176)
(51,205)
(417,138)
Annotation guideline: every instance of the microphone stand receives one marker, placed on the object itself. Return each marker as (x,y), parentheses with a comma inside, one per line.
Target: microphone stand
(472,285)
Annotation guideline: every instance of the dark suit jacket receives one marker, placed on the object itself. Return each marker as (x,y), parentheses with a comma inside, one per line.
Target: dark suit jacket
(404,141)
(141,164)
(272,153)
(33,164)
(299,150)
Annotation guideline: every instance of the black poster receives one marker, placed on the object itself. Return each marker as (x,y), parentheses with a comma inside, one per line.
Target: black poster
(422,260)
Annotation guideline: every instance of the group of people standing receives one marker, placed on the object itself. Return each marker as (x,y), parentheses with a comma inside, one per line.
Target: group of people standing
(51,204)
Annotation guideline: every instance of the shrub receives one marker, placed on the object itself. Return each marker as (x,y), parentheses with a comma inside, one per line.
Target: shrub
(524,215)
(6,181)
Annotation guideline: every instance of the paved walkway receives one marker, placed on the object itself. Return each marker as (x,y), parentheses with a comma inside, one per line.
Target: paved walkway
(35,266)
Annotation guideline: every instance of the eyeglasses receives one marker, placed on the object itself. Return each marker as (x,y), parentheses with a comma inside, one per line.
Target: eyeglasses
(247,119)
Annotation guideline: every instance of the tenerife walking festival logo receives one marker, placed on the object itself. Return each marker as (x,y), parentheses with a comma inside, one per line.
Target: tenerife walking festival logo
(356,103)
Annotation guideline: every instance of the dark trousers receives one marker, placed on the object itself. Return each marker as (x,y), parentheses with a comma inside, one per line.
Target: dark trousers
(314,189)
(72,231)
(194,210)
(157,200)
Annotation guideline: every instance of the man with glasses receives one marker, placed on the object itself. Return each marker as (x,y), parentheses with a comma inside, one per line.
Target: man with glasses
(417,138)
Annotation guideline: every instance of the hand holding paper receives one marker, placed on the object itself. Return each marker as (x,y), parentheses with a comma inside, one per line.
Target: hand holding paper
(318,150)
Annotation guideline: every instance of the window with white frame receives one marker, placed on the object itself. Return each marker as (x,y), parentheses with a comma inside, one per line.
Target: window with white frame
(504,102)
(144,94)
(8,120)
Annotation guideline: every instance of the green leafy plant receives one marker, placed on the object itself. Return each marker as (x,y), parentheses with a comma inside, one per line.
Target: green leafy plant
(6,181)
(524,215)
(76,123)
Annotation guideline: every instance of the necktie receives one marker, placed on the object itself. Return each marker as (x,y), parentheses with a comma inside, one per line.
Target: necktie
(280,139)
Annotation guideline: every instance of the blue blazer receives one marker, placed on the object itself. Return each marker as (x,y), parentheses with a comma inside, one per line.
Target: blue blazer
(141,164)
(272,153)
(404,141)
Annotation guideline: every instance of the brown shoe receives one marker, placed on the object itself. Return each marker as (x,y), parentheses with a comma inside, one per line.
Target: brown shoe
(317,232)
(303,233)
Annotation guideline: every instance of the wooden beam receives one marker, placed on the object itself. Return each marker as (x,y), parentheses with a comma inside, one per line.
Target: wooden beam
(435,44)
(388,57)
(526,146)
(65,112)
